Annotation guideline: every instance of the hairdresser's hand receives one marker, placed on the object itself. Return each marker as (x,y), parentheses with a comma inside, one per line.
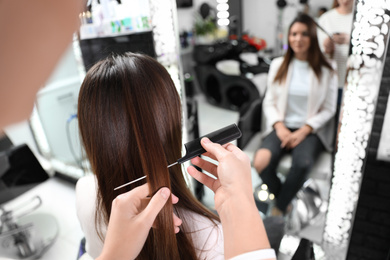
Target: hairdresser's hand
(233,172)
(283,133)
(298,136)
(328,46)
(243,229)
(341,38)
(130,222)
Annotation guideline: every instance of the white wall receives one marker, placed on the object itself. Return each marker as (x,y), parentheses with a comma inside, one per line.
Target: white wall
(260,17)
(186,16)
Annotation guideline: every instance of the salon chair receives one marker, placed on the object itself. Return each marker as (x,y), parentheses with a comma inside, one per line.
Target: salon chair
(309,199)
(224,78)
(225,91)
(23,234)
(210,54)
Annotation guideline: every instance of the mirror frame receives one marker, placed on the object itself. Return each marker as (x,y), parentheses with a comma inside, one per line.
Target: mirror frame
(369,41)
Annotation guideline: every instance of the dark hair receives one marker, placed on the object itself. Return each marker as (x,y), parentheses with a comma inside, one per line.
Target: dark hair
(315,58)
(323,9)
(129,116)
(335,4)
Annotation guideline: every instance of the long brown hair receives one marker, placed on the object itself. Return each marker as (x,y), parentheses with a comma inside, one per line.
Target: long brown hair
(129,116)
(316,58)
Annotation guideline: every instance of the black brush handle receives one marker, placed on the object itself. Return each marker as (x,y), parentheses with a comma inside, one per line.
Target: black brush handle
(221,136)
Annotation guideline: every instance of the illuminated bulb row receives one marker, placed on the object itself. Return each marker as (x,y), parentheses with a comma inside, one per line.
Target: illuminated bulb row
(223,13)
(163,31)
(165,38)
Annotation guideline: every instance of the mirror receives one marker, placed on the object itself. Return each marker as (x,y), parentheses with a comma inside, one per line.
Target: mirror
(213,113)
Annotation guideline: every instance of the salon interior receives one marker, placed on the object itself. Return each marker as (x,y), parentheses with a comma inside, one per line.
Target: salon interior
(218,53)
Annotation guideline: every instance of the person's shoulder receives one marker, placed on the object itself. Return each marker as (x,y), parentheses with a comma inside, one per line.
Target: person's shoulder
(201,227)
(278,59)
(206,234)
(86,181)
(197,221)
(330,13)
(276,62)
(86,186)
(327,15)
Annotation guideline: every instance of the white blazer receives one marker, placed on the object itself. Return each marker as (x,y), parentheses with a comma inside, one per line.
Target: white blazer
(321,105)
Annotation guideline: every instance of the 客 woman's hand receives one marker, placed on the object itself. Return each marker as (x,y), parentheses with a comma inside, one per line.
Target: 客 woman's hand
(298,136)
(283,133)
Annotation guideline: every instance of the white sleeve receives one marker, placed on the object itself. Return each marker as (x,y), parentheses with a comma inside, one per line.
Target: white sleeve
(262,254)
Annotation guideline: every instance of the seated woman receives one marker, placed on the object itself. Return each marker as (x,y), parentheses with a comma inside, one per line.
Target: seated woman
(130,124)
(299,103)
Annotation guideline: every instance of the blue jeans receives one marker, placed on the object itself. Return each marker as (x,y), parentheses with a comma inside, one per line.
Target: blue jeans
(303,158)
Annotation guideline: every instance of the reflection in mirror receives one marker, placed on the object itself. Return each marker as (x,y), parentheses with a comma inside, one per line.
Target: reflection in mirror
(212,79)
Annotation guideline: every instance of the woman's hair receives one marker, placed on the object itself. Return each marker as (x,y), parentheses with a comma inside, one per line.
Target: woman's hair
(316,58)
(129,116)
(335,4)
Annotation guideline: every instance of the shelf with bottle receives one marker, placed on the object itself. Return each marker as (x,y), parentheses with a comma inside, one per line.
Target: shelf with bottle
(114,27)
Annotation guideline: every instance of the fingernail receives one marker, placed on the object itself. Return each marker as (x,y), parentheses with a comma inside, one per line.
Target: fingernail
(205,140)
(165,193)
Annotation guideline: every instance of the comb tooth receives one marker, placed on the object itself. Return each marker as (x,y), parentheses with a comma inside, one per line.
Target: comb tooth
(124,185)
(172,164)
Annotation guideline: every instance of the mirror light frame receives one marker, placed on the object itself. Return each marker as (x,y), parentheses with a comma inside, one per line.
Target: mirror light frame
(369,41)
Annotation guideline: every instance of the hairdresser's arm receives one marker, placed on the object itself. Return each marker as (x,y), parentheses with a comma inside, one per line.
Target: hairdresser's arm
(130,224)
(328,46)
(341,38)
(241,222)
(325,42)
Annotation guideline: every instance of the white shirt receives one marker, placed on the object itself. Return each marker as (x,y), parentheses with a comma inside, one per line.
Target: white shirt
(257,255)
(334,22)
(207,238)
(298,92)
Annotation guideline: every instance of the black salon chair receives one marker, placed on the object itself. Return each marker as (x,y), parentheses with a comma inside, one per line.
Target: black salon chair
(226,91)
(249,122)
